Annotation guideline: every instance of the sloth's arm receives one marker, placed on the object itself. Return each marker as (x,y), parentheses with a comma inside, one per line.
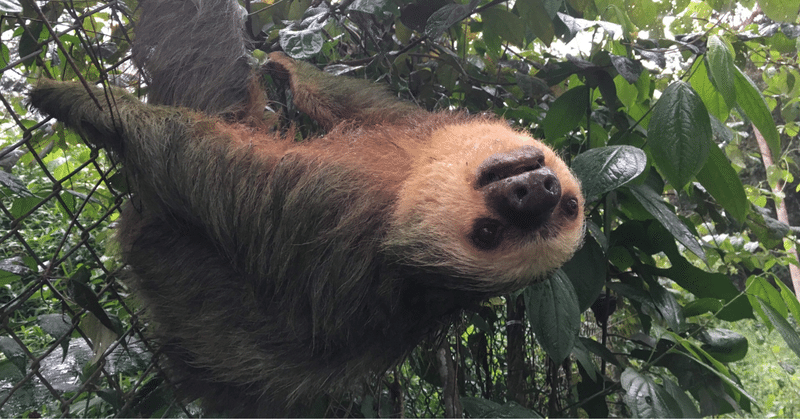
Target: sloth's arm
(197,172)
(331,100)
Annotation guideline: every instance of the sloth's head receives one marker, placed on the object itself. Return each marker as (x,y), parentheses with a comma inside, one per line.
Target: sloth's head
(489,207)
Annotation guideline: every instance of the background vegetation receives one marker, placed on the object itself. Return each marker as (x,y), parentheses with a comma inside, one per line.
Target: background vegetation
(680,118)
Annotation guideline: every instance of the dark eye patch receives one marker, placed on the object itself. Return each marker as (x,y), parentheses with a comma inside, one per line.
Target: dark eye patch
(487,233)
(570,206)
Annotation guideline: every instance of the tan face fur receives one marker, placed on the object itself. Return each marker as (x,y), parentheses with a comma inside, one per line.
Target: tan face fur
(440,203)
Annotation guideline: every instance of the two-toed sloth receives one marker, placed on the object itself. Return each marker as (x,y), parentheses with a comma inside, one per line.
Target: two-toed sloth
(274,270)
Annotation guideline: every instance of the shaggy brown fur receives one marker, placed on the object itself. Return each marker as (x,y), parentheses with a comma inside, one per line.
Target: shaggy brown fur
(275,271)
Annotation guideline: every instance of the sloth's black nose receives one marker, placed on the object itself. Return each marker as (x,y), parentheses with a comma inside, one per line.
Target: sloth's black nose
(520,187)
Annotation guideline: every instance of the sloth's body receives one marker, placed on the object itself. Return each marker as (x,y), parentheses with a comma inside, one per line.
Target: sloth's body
(274,271)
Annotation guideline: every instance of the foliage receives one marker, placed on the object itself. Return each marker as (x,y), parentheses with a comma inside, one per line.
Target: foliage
(654,104)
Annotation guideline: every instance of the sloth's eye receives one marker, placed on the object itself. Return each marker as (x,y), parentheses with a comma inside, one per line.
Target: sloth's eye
(570,207)
(486,233)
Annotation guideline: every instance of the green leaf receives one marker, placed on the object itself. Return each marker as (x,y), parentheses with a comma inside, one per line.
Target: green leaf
(715,367)
(759,288)
(28,42)
(782,326)
(668,307)
(374,7)
(780,10)
(14,184)
(535,16)
(566,112)
(656,206)
(301,44)
(752,103)
(685,403)
(302,40)
(791,300)
(598,349)
(10,6)
(679,134)
(583,358)
(723,344)
(497,21)
(23,205)
(646,399)
(702,306)
(552,309)
(629,69)
(643,14)
(711,97)
(57,326)
(13,352)
(442,19)
(85,297)
(720,65)
(604,169)
(587,271)
(723,183)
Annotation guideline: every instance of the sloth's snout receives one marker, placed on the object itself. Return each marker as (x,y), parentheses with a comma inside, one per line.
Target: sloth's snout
(520,187)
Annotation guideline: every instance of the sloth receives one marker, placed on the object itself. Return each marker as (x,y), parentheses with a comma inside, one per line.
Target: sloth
(274,271)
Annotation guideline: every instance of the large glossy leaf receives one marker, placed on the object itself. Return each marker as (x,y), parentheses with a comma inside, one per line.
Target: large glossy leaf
(752,103)
(13,352)
(598,349)
(679,134)
(720,65)
(668,307)
(629,69)
(374,7)
(552,308)
(536,18)
(780,10)
(758,289)
(711,97)
(10,6)
(652,237)
(566,112)
(57,326)
(646,399)
(713,365)
(702,306)
(723,183)
(498,21)
(723,344)
(14,183)
(784,328)
(442,19)
(686,404)
(604,169)
(791,300)
(584,359)
(587,272)
(302,40)
(29,42)
(656,206)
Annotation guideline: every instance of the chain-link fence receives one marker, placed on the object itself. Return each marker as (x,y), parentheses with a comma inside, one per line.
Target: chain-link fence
(72,340)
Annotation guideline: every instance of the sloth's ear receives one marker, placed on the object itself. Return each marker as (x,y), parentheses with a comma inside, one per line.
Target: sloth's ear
(330,100)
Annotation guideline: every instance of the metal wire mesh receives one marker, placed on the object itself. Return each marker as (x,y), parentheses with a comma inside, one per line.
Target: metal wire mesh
(72,341)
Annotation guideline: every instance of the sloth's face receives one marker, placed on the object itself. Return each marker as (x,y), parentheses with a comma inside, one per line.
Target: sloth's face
(490,205)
